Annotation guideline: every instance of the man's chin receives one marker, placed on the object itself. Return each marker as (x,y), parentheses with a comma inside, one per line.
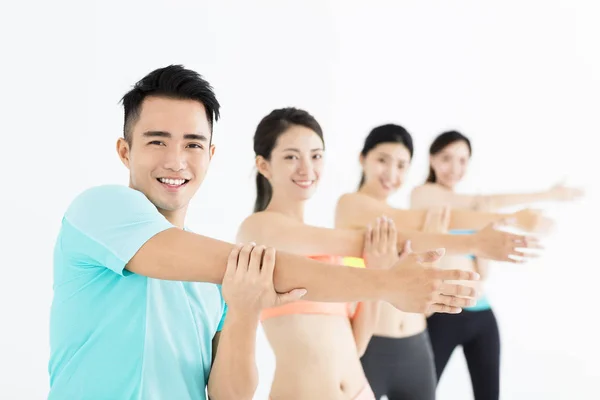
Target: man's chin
(170,205)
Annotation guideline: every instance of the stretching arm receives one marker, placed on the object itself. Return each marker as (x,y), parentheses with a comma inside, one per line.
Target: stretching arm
(287,234)
(119,229)
(175,254)
(430,195)
(409,220)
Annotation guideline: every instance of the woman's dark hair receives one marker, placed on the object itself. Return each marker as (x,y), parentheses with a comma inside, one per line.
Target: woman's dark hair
(389,133)
(440,143)
(267,132)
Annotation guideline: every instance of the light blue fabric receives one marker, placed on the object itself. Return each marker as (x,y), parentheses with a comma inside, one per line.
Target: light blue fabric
(463,232)
(482,302)
(118,335)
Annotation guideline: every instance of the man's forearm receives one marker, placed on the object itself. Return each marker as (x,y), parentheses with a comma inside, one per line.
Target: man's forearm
(234,375)
(327,282)
(184,256)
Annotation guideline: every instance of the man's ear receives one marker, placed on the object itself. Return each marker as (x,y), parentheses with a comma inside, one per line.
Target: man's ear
(211,151)
(123,151)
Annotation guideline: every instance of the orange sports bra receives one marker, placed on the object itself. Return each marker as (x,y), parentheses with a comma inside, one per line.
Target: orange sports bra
(314,307)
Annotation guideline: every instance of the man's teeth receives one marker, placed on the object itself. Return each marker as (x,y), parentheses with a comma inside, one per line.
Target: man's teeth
(174,182)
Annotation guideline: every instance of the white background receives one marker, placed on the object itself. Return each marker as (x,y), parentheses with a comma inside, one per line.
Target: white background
(522,79)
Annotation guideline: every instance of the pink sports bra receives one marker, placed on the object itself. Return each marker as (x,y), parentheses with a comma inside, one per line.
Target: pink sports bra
(312,307)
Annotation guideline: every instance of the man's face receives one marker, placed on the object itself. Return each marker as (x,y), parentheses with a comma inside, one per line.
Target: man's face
(169,152)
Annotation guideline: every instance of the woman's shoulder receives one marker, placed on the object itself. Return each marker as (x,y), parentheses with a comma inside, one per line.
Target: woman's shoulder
(259,223)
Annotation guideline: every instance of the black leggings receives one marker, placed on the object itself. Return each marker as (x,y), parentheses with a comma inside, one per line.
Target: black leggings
(477,333)
(400,368)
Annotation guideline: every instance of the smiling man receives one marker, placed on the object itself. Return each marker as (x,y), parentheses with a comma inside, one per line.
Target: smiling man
(137,311)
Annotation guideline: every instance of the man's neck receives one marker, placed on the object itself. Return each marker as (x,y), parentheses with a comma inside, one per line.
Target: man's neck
(176,217)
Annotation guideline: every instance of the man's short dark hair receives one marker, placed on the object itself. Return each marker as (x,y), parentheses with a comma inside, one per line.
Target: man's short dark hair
(174,82)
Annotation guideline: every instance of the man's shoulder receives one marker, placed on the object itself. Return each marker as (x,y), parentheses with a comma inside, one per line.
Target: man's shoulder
(106,192)
(109,197)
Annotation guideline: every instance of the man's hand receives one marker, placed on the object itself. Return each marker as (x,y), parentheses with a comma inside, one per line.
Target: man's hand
(417,287)
(381,248)
(248,281)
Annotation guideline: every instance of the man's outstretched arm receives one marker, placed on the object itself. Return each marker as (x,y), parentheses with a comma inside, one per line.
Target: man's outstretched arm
(124,232)
(174,254)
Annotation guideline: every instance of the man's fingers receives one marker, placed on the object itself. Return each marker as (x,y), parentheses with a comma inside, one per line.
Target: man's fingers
(455,275)
(244,257)
(293,295)
(256,259)
(232,260)
(268,263)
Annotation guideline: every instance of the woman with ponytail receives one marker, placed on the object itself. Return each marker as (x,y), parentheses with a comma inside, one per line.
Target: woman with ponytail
(398,360)
(475,329)
(316,345)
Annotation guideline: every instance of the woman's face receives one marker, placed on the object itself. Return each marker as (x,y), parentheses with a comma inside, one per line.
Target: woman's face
(450,165)
(385,167)
(296,162)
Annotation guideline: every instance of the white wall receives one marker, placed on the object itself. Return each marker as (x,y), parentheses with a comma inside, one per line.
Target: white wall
(520,78)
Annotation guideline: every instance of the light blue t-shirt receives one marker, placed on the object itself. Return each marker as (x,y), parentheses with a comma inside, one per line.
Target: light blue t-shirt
(117,335)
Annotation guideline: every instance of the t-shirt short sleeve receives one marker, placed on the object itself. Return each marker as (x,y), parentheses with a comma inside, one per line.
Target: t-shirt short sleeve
(109,224)
(222,321)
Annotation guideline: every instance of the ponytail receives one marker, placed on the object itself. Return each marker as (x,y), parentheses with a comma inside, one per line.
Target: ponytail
(264,193)
(362,180)
(431,178)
